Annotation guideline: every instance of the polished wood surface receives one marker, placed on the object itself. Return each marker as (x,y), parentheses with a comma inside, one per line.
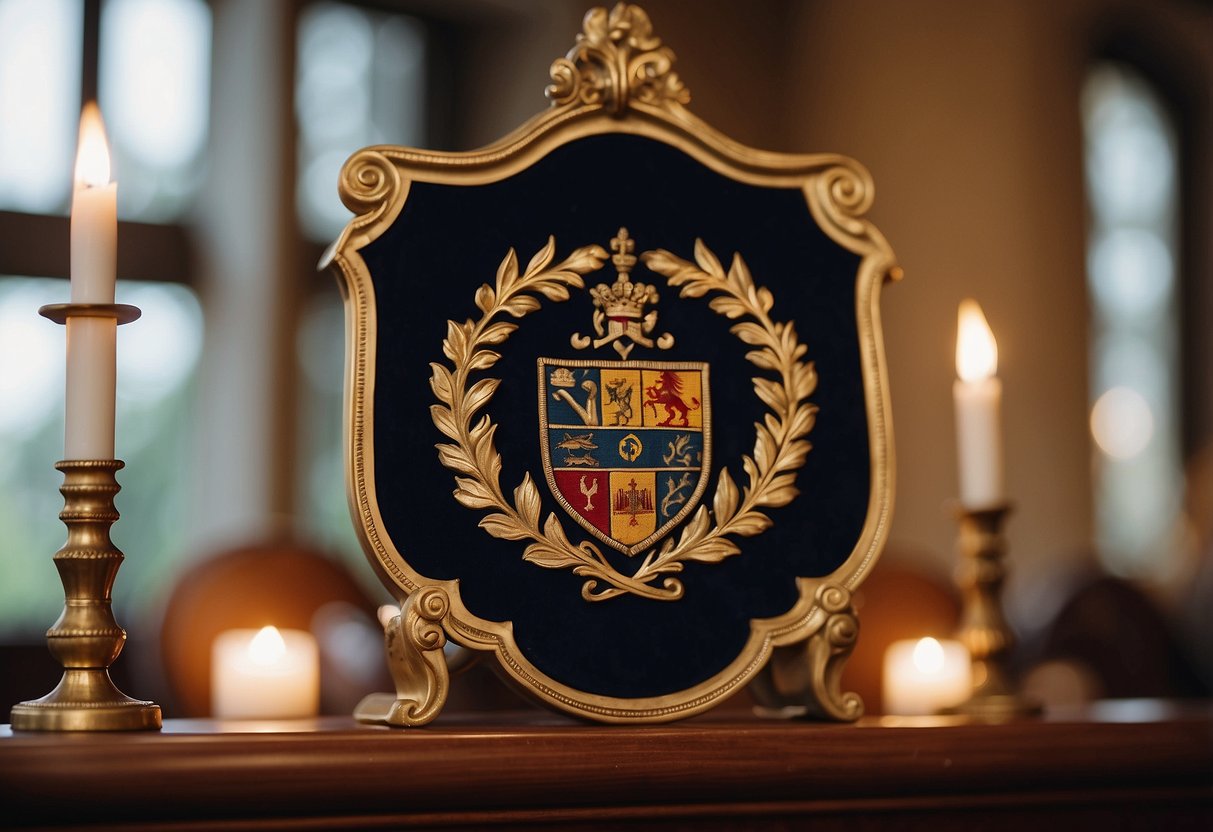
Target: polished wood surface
(1128,765)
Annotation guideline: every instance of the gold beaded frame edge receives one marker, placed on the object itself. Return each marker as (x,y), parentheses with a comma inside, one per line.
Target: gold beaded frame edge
(589,97)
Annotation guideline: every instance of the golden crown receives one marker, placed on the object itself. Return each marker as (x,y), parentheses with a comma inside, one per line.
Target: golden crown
(623,298)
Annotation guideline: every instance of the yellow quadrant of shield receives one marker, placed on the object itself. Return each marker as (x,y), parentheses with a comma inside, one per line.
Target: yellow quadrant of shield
(671,395)
(633,505)
(620,397)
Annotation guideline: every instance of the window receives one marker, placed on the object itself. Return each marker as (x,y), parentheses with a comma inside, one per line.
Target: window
(154,62)
(38,38)
(154,91)
(360,80)
(1132,185)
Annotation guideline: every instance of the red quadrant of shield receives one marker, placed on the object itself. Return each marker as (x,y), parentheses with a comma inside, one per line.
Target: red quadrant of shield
(589,494)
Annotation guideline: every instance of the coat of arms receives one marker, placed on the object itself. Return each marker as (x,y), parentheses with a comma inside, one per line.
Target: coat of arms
(630,459)
(626,445)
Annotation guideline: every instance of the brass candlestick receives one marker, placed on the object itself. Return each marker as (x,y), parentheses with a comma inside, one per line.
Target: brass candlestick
(86,639)
(983,627)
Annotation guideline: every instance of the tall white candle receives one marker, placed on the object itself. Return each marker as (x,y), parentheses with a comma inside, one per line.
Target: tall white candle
(977,394)
(265,674)
(92,342)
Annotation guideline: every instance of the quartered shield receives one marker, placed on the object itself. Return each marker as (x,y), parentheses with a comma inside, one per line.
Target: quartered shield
(627,446)
(617,409)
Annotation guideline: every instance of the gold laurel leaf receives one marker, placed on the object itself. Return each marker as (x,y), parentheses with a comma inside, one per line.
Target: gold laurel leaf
(485,297)
(707,260)
(453,457)
(781,491)
(803,421)
(694,289)
(441,383)
(471,501)
(497,333)
(729,307)
(698,526)
(554,291)
(444,420)
(750,524)
(764,448)
(752,334)
(482,428)
(806,380)
(526,498)
(583,260)
(478,395)
(455,344)
(483,359)
(503,526)
(763,358)
(739,276)
(725,502)
(542,257)
(772,394)
(547,557)
(714,550)
(507,273)
(662,262)
(472,493)
(552,529)
(521,306)
(751,469)
(766,300)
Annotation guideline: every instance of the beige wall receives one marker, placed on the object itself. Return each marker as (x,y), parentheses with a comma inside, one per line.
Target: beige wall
(967,115)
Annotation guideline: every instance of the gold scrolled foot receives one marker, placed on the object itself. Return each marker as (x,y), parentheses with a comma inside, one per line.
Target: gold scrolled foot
(805,679)
(86,639)
(414,641)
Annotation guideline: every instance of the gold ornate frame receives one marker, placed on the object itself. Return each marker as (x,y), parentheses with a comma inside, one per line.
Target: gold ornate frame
(616,79)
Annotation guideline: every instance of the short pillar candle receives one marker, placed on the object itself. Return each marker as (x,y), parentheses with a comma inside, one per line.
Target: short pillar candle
(265,674)
(925,676)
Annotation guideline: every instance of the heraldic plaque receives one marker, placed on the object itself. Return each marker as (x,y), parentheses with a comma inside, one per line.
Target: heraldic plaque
(617,408)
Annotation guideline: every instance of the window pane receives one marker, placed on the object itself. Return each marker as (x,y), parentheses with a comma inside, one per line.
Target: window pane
(1131,167)
(154,90)
(360,81)
(39,102)
(320,349)
(157,357)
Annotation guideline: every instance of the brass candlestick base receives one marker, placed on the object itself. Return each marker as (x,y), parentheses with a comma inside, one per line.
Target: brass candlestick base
(86,639)
(983,627)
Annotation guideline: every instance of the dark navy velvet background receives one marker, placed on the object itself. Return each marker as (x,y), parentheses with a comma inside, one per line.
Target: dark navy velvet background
(426,268)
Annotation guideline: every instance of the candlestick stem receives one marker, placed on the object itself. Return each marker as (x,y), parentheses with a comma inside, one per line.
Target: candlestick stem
(86,639)
(983,627)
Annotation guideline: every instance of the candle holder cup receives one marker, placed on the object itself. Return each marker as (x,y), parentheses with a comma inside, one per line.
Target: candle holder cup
(983,627)
(86,639)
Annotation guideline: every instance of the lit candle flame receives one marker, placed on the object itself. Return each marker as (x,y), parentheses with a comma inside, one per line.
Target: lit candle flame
(928,656)
(976,349)
(92,155)
(267,646)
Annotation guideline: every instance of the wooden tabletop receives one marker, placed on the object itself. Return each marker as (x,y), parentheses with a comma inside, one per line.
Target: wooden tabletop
(1130,759)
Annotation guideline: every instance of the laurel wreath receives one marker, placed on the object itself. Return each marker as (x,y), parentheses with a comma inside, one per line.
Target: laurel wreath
(779,448)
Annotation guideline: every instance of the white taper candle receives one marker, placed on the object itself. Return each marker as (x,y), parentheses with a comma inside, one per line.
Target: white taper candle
(92,342)
(977,394)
